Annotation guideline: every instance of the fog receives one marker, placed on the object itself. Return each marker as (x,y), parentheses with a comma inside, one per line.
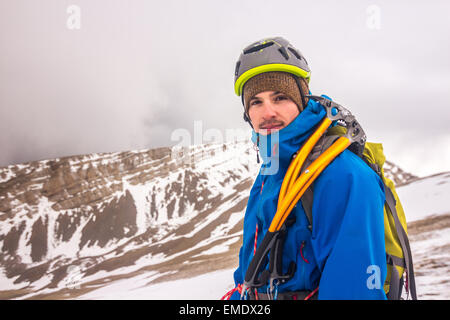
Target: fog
(118,76)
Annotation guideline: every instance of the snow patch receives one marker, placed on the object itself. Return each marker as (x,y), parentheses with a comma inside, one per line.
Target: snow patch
(210,286)
(224,247)
(425,197)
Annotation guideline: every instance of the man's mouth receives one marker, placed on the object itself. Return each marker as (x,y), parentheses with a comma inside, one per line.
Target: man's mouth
(272,127)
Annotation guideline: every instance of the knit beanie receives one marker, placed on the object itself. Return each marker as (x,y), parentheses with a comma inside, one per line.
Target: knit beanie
(275,81)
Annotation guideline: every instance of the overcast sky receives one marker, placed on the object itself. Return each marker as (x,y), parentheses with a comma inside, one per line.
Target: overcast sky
(136,71)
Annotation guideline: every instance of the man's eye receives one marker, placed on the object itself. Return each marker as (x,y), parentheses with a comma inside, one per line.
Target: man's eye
(254,102)
(280,98)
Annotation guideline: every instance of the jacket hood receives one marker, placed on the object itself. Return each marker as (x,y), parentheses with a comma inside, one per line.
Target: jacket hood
(276,149)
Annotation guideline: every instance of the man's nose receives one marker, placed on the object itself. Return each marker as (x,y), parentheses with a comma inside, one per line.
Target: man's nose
(268,110)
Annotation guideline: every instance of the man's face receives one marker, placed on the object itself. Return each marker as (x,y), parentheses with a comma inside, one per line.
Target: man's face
(270,111)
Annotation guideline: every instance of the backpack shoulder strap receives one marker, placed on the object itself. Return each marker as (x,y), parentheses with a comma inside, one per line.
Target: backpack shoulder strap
(404,242)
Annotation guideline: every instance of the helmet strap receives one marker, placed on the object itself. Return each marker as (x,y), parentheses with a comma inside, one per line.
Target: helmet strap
(247,119)
(246,116)
(256,147)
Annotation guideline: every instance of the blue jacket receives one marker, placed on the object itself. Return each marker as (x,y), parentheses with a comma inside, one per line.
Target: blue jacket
(345,249)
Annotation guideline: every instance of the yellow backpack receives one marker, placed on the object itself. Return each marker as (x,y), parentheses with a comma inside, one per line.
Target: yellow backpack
(398,251)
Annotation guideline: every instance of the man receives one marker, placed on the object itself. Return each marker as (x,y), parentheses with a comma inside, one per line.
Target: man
(341,255)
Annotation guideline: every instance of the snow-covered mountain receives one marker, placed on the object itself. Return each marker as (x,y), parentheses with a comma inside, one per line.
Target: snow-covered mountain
(396,174)
(108,215)
(72,225)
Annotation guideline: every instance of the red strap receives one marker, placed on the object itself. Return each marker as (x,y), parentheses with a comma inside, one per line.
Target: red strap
(254,252)
(301,252)
(256,240)
(228,295)
(311,294)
